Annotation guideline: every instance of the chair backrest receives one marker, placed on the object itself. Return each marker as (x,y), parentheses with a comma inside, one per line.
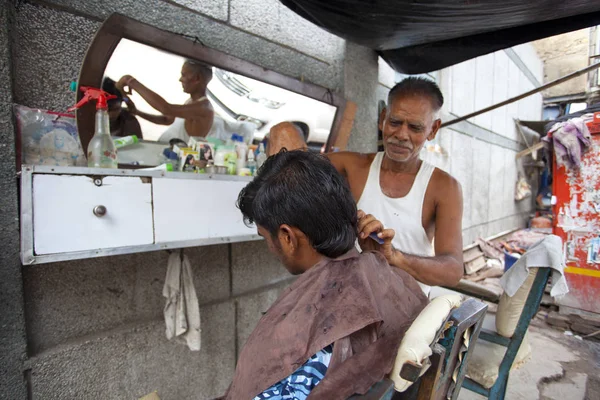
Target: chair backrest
(447,357)
(539,279)
(491,382)
(511,308)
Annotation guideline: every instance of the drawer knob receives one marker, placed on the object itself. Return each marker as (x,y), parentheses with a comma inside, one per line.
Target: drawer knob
(99,211)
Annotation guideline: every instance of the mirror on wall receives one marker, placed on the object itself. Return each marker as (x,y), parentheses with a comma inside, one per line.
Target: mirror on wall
(240,104)
(170,87)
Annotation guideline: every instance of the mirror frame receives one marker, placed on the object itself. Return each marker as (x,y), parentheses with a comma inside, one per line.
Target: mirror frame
(117,27)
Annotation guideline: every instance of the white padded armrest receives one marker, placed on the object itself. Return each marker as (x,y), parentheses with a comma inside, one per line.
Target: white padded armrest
(416,344)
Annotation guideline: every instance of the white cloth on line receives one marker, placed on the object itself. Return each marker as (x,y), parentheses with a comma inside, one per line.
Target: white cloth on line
(545,253)
(182,312)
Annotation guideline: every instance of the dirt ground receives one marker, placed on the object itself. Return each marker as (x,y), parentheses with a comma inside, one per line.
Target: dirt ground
(561,368)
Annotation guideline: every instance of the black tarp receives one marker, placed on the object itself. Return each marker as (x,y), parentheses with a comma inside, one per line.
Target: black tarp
(422,36)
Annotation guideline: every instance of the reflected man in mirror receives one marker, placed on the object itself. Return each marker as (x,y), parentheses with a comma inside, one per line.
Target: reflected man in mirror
(194,118)
(336,330)
(122,122)
(395,189)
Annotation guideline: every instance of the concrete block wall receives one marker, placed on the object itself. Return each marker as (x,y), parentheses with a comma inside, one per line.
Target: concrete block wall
(12,326)
(480,152)
(94,328)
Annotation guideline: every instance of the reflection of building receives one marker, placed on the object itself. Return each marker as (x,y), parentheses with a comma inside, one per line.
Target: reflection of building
(564,54)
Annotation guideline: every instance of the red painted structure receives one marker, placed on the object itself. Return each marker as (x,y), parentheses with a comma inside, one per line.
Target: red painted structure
(577,222)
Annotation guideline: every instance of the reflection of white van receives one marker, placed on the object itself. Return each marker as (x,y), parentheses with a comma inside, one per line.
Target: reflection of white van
(237,97)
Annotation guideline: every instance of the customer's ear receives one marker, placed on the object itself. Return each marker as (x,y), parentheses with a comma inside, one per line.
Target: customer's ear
(288,239)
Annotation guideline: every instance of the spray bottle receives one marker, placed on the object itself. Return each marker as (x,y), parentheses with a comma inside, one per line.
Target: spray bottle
(101,152)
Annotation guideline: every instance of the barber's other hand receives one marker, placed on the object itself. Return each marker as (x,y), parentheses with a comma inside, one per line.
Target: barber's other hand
(130,105)
(123,84)
(368,224)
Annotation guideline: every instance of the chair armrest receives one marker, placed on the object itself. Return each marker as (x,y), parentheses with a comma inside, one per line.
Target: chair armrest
(490,336)
(411,371)
(475,290)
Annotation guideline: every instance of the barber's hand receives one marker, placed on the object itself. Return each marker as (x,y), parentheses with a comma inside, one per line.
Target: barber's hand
(368,224)
(124,82)
(130,105)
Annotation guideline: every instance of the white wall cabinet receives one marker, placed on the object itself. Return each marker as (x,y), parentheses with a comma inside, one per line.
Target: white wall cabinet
(75,213)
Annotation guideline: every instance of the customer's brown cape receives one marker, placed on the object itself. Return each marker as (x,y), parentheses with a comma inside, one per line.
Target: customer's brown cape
(357,302)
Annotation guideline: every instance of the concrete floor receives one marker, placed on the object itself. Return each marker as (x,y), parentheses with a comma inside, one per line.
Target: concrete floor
(561,368)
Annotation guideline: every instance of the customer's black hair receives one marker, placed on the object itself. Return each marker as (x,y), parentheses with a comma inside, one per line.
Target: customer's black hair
(414,85)
(304,190)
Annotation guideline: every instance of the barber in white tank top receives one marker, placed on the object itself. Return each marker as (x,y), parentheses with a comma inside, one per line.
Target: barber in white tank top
(403,214)
(193,118)
(406,201)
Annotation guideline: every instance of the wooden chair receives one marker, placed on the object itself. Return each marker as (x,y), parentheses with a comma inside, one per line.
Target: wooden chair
(512,344)
(450,355)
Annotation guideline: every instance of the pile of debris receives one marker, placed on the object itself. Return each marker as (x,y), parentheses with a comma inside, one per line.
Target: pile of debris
(484,263)
(483,267)
(585,325)
(485,260)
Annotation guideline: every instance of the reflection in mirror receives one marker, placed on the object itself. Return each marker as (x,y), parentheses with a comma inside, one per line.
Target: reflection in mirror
(163,96)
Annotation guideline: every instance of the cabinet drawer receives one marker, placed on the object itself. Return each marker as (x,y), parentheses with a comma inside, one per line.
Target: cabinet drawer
(64,219)
(188,210)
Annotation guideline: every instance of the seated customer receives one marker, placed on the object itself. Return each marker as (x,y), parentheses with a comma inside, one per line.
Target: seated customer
(335,331)
(122,122)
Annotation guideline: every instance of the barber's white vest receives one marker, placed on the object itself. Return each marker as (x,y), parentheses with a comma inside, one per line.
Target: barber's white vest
(404,214)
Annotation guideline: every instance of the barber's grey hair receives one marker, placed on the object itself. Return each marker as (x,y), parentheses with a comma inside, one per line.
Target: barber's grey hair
(418,86)
(200,68)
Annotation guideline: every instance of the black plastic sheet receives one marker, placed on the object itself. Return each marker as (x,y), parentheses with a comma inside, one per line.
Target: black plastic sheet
(422,36)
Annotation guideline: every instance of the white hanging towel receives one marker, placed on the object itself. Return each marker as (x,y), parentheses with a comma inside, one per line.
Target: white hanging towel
(545,253)
(182,312)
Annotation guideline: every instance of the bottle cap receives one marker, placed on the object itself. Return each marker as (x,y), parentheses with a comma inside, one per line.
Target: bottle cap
(171,155)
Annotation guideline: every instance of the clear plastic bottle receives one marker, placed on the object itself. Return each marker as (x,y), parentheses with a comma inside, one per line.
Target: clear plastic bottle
(102,152)
(261,157)
(231,161)
(125,141)
(251,163)
(242,149)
